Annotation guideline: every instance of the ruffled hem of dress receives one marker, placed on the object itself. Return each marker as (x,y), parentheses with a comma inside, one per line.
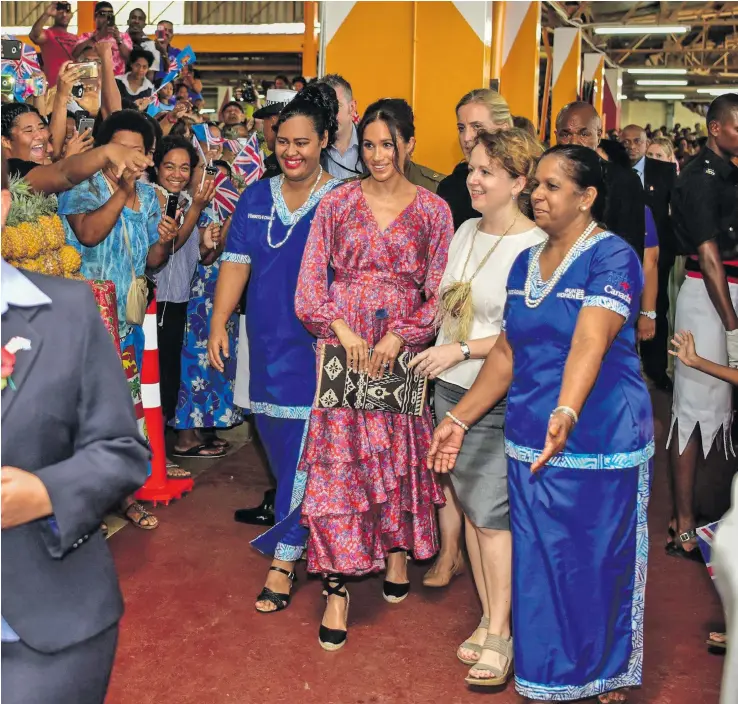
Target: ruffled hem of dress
(372,495)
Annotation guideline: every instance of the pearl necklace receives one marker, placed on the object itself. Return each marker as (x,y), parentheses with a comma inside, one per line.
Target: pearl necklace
(561,269)
(297,214)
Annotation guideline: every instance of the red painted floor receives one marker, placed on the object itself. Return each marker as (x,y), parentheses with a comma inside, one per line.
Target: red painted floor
(191,635)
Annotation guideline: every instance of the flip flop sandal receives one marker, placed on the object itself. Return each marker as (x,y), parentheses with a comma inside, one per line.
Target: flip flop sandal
(196,453)
(280,601)
(474,647)
(144,515)
(717,644)
(182,474)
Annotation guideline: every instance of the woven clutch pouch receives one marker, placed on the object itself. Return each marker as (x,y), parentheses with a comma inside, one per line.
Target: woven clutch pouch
(398,392)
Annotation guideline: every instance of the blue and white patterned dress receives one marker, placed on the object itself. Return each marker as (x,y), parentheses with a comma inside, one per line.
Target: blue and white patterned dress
(580,538)
(205,394)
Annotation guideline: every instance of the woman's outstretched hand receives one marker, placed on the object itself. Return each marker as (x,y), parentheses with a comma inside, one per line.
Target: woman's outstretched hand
(447,440)
(559,427)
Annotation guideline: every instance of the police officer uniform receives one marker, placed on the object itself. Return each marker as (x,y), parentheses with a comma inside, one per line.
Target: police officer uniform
(423,176)
(704,207)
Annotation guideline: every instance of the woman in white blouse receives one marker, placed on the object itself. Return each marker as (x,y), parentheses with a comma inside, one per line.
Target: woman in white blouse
(473,295)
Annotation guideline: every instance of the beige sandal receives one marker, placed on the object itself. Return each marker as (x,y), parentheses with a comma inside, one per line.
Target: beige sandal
(474,647)
(439,580)
(498,644)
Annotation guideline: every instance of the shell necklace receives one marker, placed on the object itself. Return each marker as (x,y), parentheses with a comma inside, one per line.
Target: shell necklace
(294,217)
(533,267)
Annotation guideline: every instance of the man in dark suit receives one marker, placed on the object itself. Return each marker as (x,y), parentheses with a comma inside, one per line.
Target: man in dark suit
(70,450)
(579,123)
(658,179)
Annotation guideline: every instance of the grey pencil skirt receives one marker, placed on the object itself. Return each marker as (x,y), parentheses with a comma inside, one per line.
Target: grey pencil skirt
(480,476)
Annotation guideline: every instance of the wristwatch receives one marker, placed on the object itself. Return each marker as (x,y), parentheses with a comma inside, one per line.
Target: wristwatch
(651,314)
(465,350)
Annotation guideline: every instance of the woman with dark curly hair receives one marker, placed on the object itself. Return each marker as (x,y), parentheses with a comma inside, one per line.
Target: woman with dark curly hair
(264,248)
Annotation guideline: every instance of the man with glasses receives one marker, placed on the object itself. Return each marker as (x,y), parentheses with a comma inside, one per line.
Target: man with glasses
(106,31)
(56,42)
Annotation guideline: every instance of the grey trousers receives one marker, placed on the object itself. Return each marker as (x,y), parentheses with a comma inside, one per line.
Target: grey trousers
(77,675)
(725,565)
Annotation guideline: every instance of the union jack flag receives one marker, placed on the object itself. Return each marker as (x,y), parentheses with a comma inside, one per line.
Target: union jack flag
(226,196)
(249,161)
(705,536)
(233,145)
(27,64)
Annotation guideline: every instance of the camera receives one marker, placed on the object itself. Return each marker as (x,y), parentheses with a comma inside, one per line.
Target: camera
(246,93)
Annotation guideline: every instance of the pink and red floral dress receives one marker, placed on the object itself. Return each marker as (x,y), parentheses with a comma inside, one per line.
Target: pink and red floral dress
(368,489)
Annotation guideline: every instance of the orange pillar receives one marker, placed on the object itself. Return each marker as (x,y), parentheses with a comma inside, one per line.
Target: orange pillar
(594,72)
(85,16)
(310,42)
(520,56)
(498,39)
(567,70)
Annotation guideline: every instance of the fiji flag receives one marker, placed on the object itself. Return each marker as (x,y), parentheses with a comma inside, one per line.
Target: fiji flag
(203,134)
(185,57)
(705,536)
(249,162)
(226,196)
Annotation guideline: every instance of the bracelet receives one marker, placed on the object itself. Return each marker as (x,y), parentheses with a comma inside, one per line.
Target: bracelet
(650,314)
(458,422)
(569,412)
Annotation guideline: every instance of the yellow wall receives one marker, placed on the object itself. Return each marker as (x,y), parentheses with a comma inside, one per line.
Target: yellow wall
(400,50)
(373,50)
(643,112)
(440,82)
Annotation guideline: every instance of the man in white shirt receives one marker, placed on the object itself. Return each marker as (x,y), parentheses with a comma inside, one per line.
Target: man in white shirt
(136,27)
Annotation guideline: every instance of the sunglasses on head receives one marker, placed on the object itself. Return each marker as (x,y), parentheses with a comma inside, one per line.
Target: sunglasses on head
(105,13)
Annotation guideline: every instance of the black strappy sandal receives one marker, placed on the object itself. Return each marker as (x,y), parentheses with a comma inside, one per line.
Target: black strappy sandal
(280,601)
(676,549)
(333,638)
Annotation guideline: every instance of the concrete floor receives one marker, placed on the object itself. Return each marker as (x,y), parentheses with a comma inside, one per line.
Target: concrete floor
(191,635)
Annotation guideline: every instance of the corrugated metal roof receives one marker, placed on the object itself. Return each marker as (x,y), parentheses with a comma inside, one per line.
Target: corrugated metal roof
(242,12)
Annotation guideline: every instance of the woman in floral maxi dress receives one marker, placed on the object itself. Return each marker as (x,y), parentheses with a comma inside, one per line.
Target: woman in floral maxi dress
(369,493)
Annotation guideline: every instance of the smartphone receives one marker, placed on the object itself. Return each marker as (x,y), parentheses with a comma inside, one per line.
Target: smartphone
(63,6)
(11,49)
(172,203)
(211,170)
(7,84)
(78,91)
(89,69)
(111,20)
(161,34)
(85,123)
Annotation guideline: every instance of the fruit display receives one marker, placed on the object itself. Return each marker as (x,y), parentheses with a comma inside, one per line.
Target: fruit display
(33,237)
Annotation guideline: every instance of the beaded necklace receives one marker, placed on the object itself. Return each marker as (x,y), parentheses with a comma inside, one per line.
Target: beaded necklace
(294,217)
(561,269)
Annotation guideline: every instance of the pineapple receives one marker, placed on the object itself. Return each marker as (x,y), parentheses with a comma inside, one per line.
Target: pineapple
(70,260)
(34,234)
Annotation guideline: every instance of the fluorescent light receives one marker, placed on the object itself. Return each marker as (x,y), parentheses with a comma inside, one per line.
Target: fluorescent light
(622,97)
(716,90)
(642,29)
(660,82)
(664,96)
(658,71)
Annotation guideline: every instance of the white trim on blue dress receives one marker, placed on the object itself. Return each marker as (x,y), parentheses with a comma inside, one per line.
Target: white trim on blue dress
(570,460)
(235,258)
(274,411)
(633,676)
(607,302)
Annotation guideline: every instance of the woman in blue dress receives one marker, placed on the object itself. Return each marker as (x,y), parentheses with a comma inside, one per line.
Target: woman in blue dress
(264,249)
(579,441)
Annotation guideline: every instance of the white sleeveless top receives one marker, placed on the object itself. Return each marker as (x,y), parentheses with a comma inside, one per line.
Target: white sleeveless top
(488,287)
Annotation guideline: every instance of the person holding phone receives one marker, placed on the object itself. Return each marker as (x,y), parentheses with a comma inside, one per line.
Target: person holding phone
(68,139)
(107,32)
(56,42)
(164,36)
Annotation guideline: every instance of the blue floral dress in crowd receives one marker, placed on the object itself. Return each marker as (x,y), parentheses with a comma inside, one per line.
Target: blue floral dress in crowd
(205,394)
